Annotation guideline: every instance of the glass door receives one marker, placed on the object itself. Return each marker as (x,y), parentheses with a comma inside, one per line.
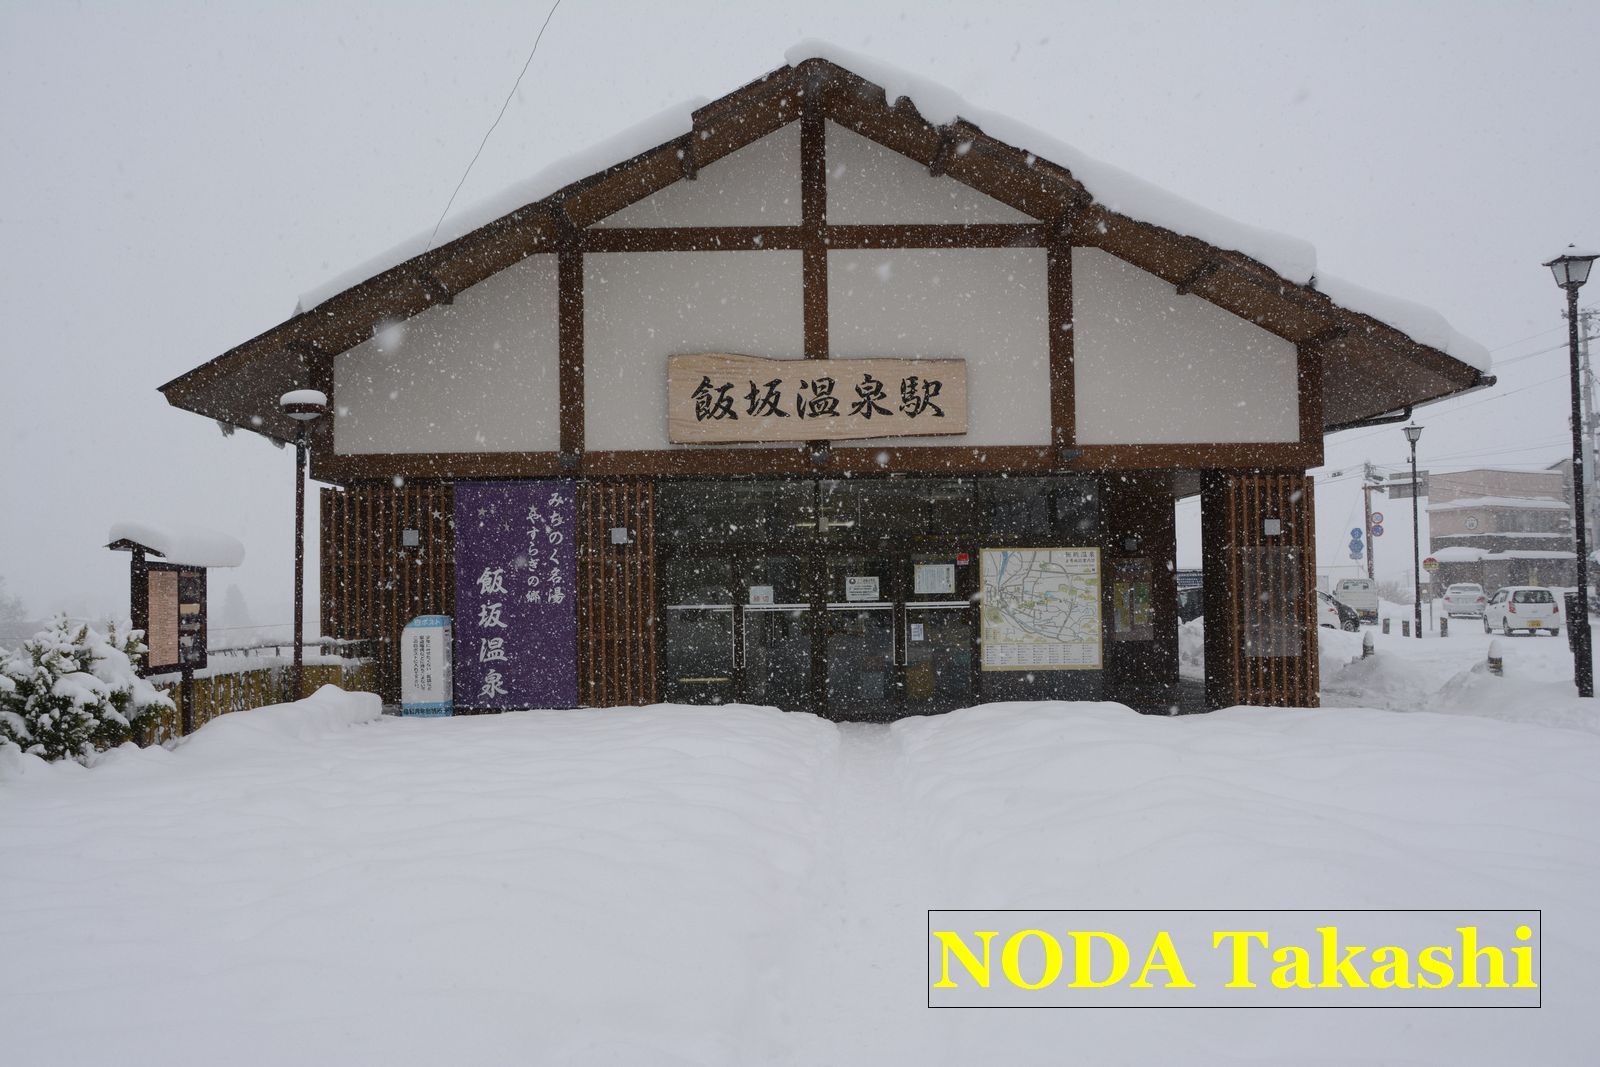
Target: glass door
(863,677)
(940,639)
(698,639)
(775,631)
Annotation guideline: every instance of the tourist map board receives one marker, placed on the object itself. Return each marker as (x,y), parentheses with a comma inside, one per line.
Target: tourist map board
(1041,609)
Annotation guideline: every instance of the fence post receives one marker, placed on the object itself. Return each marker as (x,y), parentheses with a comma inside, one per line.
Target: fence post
(1497,665)
(1366,645)
(1405,627)
(1444,626)
(1386,625)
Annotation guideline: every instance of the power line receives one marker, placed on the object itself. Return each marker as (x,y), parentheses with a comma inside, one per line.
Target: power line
(514,85)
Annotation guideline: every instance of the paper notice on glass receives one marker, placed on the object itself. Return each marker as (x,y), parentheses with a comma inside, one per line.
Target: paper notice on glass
(860,587)
(761,594)
(934,578)
(916,631)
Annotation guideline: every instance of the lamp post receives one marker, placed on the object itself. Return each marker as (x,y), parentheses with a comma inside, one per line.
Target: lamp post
(304,406)
(1412,433)
(1571,269)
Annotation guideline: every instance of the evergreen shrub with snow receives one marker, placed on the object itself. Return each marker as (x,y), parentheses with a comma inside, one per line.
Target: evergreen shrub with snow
(71,691)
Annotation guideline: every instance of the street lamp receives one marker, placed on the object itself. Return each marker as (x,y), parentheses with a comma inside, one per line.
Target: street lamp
(1571,269)
(1413,432)
(304,406)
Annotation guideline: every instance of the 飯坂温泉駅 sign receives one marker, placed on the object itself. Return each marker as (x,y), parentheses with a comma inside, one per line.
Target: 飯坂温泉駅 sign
(723,398)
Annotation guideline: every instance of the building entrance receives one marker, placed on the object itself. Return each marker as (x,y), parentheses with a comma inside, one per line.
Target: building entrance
(857,600)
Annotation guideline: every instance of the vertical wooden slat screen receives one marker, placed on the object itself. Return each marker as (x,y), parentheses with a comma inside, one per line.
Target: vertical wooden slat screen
(617,612)
(372,585)
(1248,592)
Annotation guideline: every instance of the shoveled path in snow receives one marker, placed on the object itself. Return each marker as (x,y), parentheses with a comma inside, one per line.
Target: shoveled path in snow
(863,915)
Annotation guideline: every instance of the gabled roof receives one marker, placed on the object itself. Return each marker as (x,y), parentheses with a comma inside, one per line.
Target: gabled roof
(1379,355)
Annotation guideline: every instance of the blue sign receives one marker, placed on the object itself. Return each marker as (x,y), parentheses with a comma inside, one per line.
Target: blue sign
(1356,548)
(1355,555)
(1377,531)
(516,608)
(1355,533)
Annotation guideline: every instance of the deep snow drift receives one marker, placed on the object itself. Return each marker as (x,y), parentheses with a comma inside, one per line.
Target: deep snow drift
(317,883)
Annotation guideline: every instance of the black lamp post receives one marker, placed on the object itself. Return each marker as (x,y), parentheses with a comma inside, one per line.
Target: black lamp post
(1413,432)
(1571,269)
(304,406)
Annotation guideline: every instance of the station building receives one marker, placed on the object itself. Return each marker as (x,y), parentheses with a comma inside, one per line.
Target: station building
(837,399)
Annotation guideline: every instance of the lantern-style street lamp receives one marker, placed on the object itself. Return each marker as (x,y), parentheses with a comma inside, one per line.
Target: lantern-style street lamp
(1413,432)
(304,406)
(1571,269)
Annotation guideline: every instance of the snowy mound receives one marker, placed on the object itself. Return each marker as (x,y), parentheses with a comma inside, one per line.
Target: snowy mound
(197,546)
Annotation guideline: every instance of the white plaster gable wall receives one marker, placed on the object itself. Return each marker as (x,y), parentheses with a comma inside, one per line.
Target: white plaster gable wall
(757,185)
(988,306)
(868,183)
(641,307)
(477,375)
(1154,367)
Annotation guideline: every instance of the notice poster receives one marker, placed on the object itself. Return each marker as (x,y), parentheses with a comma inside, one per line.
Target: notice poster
(1131,618)
(162,635)
(1041,609)
(516,624)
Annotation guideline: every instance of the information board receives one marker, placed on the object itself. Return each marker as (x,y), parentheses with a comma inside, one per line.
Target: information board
(1041,609)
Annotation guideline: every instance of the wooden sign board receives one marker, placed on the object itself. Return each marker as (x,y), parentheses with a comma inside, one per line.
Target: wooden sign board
(722,398)
(172,611)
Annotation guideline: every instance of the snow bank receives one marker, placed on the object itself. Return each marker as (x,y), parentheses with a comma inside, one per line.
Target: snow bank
(198,546)
(327,712)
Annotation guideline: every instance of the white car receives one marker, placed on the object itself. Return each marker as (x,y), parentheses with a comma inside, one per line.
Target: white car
(1523,607)
(1334,615)
(1464,598)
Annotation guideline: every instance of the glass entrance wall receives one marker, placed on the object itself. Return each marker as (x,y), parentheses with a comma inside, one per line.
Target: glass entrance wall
(857,598)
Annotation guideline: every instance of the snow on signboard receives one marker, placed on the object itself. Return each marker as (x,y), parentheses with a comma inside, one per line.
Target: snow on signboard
(1041,609)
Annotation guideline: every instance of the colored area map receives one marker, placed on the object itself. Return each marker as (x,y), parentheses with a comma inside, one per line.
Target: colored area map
(1041,609)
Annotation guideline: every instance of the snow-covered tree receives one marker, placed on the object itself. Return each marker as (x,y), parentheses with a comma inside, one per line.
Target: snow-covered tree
(11,607)
(71,691)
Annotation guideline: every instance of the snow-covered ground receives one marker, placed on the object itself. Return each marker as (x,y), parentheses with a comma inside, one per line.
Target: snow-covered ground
(316,883)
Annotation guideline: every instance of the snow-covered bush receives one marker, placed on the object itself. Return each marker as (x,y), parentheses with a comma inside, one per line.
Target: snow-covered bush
(71,691)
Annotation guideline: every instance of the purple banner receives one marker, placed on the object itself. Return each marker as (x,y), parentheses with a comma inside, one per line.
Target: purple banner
(516,605)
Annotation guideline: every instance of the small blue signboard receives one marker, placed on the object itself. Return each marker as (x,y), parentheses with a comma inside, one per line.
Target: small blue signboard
(1356,548)
(1355,533)
(1377,531)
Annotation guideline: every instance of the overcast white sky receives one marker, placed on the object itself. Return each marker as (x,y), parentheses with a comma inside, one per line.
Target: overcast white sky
(175,174)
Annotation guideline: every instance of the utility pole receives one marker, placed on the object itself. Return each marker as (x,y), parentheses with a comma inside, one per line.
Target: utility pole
(1367,486)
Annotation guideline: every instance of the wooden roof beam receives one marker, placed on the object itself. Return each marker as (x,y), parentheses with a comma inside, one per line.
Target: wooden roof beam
(1205,270)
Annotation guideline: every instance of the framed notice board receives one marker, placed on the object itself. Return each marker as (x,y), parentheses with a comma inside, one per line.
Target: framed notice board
(169,600)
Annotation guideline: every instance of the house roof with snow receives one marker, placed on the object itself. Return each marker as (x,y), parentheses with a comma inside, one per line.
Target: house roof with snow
(1521,503)
(1378,354)
(198,546)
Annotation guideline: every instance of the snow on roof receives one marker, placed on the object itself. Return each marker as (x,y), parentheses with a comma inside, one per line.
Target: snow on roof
(1463,554)
(1116,189)
(1459,554)
(1533,503)
(194,545)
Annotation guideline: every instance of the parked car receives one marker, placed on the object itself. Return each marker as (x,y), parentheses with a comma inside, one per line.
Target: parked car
(1523,607)
(1336,615)
(1464,598)
(1360,594)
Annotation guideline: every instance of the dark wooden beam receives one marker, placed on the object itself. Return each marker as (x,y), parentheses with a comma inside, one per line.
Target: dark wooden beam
(1205,270)
(437,291)
(569,283)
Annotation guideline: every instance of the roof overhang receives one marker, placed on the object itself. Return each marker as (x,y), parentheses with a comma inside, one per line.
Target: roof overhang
(1370,367)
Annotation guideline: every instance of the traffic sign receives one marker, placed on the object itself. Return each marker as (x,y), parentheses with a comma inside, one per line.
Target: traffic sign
(1377,518)
(1355,533)
(1356,547)
(1430,564)
(1355,555)
(1377,531)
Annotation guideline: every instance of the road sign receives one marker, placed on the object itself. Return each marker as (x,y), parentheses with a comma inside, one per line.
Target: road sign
(1377,518)
(1355,533)
(1377,531)
(1355,555)
(1430,564)
(1356,547)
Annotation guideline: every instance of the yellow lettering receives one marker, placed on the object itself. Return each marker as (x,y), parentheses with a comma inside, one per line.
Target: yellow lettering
(1335,967)
(952,943)
(1168,961)
(1083,951)
(1430,963)
(1524,955)
(1241,953)
(1052,959)
(1471,953)
(1294,974)
(1393,970)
